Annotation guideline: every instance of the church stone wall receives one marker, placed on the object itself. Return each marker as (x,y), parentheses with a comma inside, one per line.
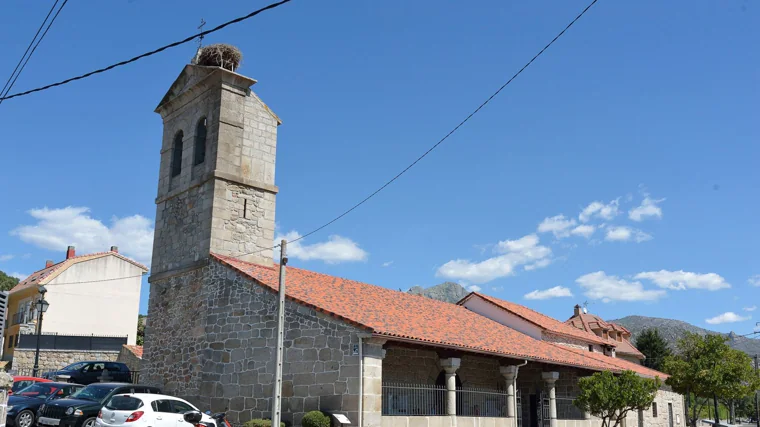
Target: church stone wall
(211,339)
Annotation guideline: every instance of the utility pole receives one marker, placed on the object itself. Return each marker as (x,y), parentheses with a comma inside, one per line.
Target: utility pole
(277,400)
(757,404)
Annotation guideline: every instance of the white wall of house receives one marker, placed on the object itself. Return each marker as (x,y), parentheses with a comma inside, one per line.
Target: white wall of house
(486,309)
(107,304)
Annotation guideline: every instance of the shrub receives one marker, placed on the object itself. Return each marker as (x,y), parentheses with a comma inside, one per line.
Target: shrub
(261,423)
(315,419)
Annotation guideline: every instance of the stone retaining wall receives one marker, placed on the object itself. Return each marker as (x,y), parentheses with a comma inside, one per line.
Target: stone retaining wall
(53,360)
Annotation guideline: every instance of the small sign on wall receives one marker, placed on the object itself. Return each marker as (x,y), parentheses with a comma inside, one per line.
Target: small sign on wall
(356,350)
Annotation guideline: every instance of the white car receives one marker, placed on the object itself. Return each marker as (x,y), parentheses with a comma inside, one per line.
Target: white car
(155,410)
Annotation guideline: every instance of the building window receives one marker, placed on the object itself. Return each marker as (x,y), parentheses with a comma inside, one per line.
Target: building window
(591,348)
(199,152)
(654,409)
(177,154)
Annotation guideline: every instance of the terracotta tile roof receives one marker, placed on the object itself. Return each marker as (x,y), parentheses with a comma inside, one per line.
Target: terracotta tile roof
(41,277)
(541,320)
(620,364)
(137,350)
(590,322)
(415,318)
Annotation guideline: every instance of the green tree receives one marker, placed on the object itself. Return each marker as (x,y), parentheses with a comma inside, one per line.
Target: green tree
(610,397)
(709,369)
(141,329)
(7,282)
(654,347)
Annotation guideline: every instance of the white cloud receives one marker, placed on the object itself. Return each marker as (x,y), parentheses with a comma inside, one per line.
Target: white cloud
(19,276)
(555,292)
(6,257)
(558,224)
(680,280)
(387,263)
(728,317)
(497,288)
(474,288)
(647,209)
(600,210)
(624,234)
(599,285)
(335,250)
(754,280)
(57,228)
(752,308)
(514,253)
(538,264)
(584,230)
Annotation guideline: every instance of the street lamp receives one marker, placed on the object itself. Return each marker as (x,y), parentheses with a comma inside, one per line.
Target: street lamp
(42,307)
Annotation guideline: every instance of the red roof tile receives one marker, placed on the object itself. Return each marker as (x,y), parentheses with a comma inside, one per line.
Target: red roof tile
(620,364)
(137,350)
(541,320)
(41,277)
(410,317)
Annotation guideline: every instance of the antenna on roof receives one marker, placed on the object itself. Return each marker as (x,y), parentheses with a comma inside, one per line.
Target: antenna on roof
(585,307)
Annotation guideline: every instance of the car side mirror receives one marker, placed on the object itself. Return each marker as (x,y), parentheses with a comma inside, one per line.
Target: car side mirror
(192,417)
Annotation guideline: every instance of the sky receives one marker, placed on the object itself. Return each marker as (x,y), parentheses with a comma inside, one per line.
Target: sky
(620,169)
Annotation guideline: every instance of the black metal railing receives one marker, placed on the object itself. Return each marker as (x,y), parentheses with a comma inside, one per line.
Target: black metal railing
(21,318)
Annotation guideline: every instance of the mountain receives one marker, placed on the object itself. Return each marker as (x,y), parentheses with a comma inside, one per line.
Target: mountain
(672,330)
(446,291)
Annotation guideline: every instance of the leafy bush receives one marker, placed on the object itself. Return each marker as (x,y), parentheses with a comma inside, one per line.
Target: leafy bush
(261,423)
(315,419)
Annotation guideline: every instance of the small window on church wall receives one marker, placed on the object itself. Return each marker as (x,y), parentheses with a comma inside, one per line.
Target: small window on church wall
(199,152)
(177,154)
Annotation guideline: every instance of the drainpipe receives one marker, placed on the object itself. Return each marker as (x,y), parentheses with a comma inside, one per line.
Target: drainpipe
(517,372)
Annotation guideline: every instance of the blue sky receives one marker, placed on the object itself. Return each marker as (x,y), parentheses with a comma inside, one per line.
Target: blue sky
(648,108)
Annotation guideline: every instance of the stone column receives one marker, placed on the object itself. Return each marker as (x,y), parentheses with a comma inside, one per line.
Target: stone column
(372,381)
(6,382)
(551,378)
(451,365)
(510,374)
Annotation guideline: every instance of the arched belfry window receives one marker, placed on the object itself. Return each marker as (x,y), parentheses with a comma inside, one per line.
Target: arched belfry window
(199,152)
(177,154)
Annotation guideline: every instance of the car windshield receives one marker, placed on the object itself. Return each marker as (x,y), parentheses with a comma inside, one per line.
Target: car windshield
(94,393)
(39,390)
(75,366)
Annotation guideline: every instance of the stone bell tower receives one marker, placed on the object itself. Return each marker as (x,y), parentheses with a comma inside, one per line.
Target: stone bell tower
(216,189)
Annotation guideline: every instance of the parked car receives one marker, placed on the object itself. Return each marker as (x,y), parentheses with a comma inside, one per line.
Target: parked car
(155,410)
(24,382)
(81,408)
(23,405)
(91,372)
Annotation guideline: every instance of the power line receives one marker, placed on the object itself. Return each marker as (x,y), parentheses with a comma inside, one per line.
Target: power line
(147,54)
(4,92)
(451,132)
(35,48)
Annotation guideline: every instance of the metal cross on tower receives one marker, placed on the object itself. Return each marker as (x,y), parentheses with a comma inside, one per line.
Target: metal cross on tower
(200,38)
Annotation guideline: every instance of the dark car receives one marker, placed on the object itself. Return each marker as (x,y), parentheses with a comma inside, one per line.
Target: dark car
(23,405)
(81,408)
(92,372)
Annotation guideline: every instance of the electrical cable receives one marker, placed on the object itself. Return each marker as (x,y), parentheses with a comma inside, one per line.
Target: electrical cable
(147,54)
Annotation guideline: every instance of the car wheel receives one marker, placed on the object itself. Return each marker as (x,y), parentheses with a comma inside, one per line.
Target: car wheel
(89,422)
(25,419)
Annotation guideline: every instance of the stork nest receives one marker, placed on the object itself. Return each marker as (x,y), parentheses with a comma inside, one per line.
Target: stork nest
(220,55)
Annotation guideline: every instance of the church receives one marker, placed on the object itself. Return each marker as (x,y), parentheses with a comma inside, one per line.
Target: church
(381,358)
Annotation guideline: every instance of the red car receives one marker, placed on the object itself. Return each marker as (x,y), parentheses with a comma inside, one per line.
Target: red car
(23,382)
